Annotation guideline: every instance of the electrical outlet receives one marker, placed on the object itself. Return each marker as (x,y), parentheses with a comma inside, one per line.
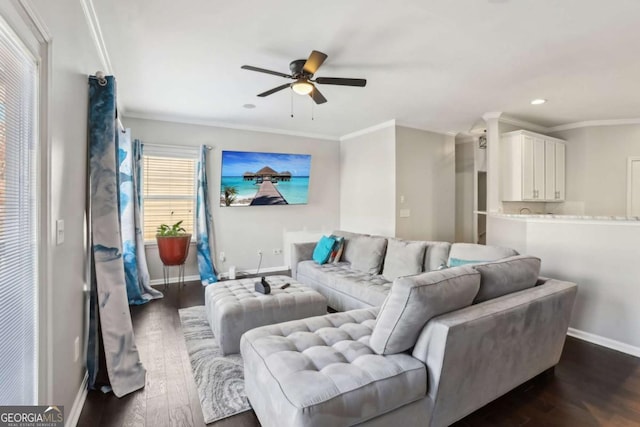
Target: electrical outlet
(277,251)
(222,257)
(259,252)
(76,349)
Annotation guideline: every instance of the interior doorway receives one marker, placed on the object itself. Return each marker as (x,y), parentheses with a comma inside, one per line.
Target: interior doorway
(481,237)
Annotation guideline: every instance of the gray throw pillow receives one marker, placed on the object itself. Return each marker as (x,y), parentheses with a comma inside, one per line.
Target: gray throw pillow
(414,300)
(506,276)
(403,258)
(347,251)
(367,253)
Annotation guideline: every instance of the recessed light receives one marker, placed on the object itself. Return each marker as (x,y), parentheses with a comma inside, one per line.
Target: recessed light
(249,106)
(538,101)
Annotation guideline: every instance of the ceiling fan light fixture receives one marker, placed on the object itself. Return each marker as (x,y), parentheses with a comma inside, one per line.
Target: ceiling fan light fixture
(302,87)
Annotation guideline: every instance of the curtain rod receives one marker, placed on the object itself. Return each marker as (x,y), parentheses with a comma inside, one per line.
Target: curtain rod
(209,147)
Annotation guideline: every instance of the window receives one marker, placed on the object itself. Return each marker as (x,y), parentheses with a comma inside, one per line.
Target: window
(169,191)
(18,221)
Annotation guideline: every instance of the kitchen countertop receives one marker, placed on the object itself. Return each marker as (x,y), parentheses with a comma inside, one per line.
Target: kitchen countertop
(634,219)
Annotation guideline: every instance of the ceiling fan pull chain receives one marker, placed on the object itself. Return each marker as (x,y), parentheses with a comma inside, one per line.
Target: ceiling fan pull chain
(291,93)
(312,110)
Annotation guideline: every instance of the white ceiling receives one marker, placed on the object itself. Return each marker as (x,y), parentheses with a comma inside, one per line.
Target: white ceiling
(436,65)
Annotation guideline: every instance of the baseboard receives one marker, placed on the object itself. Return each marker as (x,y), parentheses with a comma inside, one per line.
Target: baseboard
(174,280)
(74,414)
(239,274)
(604,342)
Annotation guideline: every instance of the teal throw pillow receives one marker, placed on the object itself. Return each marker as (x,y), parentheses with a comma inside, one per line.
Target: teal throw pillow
(456,262)
(323,249)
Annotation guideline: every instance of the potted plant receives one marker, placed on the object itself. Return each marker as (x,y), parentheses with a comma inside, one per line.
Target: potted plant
(173,243)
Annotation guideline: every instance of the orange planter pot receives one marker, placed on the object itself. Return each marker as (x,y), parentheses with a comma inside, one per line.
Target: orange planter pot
(173,249)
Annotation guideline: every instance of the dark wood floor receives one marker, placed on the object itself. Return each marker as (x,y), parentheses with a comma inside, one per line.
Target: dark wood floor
(591,386)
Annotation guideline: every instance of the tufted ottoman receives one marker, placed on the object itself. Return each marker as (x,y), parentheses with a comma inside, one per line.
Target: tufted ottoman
(233,307)
(320,371)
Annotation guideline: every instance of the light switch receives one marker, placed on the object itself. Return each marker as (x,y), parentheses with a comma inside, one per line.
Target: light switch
(401,199)
(59,232)
(405,213)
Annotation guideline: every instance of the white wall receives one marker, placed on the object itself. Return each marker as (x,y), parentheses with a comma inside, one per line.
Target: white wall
(465,158)
(74,57)
(367,182)
(596,168)
(241,231)
(600,256)
(425,178)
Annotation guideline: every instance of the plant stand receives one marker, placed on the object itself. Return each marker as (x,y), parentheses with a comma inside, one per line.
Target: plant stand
(166,270)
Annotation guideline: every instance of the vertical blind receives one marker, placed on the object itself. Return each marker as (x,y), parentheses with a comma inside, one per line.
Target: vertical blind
(169,193)
(18,222)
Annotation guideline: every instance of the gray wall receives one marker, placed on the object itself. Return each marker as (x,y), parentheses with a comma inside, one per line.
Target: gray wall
(367,182)
(74,55)
(425,176)
(465,158)
(241,231)
(596,168)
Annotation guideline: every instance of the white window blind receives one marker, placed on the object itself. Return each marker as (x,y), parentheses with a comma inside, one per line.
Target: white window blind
(169,193)
(18,222)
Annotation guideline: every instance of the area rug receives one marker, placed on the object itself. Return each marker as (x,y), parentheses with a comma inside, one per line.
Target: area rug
(219,379)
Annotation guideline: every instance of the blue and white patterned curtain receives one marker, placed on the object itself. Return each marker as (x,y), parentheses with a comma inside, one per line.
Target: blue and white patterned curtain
(139,291)
(203,223)
(110,328)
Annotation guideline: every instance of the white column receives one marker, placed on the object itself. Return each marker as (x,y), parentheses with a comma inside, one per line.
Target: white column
(493,161)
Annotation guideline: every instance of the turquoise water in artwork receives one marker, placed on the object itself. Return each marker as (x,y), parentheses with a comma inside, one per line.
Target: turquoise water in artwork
(295,191)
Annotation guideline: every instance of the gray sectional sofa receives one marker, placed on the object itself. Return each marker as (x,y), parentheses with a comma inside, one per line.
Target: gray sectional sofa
(424,350)
(348,284)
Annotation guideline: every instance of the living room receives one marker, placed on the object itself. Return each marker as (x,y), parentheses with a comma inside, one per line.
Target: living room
(416,155)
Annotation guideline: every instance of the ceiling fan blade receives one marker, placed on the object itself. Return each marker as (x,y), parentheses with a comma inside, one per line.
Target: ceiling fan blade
(317,96)
(314,62)
(340,81)
(262,70)
(274,90)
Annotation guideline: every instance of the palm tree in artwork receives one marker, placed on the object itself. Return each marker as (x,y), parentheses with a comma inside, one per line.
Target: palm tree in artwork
(230,194)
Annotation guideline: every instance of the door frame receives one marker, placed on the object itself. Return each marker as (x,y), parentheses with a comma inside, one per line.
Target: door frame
(630,160)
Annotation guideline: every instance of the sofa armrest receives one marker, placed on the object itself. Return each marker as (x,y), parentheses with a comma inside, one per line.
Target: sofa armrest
(479,353)
(300,252)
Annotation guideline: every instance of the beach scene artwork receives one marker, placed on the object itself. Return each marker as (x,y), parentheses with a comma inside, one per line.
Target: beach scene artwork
(258,179)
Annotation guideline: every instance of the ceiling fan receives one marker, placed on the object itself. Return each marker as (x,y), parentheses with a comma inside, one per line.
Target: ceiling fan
(302,71)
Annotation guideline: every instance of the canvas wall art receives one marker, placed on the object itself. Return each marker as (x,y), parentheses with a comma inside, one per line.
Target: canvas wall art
(259,179)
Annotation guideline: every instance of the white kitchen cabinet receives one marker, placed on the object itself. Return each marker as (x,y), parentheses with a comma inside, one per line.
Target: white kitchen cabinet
(554,170)
(532,167)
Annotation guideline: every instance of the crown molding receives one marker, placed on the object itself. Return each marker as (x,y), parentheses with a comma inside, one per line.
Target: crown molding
(213,123)
(523,123)
(35,20)
(595,123)
(370,129)
(410,126)
(96,33)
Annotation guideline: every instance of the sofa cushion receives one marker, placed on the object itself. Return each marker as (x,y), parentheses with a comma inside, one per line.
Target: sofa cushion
(477,253)
(437,254)
(416,299)
(369,288)
(506,276)
(347,252)
(403,258)
(320,371)
(367,253)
